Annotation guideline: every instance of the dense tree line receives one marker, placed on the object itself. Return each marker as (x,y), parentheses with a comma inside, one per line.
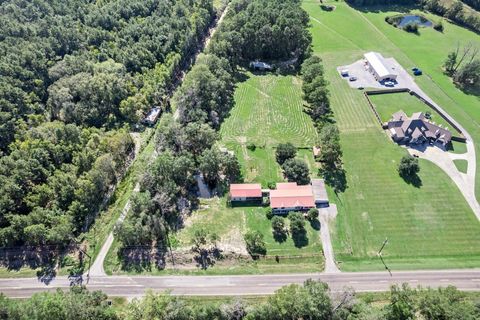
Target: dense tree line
(316,94)
(455,12)
(263,29)
(54,180)
(71,74)
(473,3)
(312,300)
(77,61)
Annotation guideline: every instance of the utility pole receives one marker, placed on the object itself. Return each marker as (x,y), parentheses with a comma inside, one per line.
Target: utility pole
(379,254)
(168,242)
(89,262)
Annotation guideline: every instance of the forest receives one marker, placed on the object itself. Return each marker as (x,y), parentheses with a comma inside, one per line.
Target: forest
(312,300)
(75,76)
(186,145)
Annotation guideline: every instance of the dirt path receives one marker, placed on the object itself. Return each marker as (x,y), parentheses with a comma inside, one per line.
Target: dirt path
(206,42)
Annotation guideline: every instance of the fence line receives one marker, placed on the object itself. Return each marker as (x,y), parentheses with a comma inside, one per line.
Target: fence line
(373,109)
(460,138)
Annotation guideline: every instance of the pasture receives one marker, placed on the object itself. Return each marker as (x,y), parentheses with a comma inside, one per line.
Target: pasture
(427,227)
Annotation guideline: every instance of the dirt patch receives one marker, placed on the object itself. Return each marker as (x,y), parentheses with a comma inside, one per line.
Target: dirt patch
(233,242)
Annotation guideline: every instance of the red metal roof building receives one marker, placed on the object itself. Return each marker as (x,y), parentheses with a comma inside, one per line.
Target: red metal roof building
(245,191)
(291,197)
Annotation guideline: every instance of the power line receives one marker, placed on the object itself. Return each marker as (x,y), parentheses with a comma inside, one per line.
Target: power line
(379,254)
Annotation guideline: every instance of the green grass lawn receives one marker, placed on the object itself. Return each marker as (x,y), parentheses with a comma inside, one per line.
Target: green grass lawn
(427,227)
(458,147)
(268,111)
(461,164)
(388,104)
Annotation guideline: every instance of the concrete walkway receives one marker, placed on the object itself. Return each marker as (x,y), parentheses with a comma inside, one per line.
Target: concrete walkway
(325,216)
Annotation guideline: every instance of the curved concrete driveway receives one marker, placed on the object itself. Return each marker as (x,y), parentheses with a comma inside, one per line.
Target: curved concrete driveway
(443,159)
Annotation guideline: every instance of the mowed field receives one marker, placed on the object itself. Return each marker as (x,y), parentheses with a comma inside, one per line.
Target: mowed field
(268,111)
(427,227)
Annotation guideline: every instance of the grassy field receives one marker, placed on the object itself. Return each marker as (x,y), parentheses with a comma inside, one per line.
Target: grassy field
(388,104)
(268,111)
(427,227)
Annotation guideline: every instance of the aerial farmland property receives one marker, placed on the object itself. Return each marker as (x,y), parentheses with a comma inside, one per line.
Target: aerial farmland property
(240,159)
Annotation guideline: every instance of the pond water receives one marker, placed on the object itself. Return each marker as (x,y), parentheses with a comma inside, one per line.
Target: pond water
(421,21)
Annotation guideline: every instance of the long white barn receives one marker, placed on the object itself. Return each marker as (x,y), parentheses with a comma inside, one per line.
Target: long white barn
(379,67)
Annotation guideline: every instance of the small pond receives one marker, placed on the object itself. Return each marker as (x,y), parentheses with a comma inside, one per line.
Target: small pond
(421,21)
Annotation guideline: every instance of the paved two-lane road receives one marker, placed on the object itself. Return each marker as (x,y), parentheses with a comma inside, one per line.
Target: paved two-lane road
(135,286)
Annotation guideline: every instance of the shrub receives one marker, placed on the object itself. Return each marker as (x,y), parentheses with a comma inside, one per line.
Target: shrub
(389,20)
(297,223)
(284,152)
(312,214)
(251,146)
(255,243)
(269,213)
(411,27)
(272,185)
(438,26)
(278,224)
(326,7)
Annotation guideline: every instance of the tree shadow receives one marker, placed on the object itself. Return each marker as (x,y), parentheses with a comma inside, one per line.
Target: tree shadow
(300,238)
(335,179)
(136,258)
(469,90)
(279,237)
(206,258)
(414,180)
(47,272)
(315,224)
